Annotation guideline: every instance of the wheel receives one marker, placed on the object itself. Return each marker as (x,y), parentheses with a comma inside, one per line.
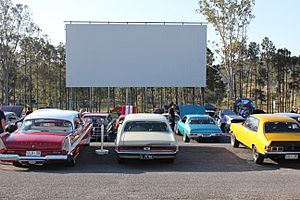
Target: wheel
(71,161)
(234,142)
(258,158)
(121,160)
(186,138)
(17,164)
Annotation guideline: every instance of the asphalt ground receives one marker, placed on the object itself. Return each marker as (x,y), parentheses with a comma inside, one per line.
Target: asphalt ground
(203,170)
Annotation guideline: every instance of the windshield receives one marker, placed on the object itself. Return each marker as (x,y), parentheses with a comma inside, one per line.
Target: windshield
(146,126)
(282,127)
(46,125)
(201,120)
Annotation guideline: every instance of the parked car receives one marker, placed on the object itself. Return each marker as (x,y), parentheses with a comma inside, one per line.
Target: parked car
(294,116)
(98,119)
(146,137)
(197,127)
(269,136)
(231,117)
(46,136)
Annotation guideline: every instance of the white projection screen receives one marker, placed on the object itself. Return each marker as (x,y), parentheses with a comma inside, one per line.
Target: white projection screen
(135,55)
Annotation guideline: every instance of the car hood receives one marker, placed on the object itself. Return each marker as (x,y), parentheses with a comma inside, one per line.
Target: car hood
(203,128)
(147,138)
(34,140)
(283,136)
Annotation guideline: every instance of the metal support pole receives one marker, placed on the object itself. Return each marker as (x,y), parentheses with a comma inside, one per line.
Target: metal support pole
(102,151)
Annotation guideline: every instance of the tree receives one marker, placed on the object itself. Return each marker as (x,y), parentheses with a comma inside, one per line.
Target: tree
(230,19)
(15,23)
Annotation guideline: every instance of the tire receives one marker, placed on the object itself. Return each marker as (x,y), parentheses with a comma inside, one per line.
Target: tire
(71,161)
(186,139)
(17,164)
(258,158)
(234,142)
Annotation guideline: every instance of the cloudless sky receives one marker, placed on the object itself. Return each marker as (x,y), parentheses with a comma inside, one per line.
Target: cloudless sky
(276,19)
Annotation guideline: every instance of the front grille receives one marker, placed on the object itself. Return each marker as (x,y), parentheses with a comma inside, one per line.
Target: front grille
(288,146)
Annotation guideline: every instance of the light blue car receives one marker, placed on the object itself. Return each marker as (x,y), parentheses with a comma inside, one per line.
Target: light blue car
(198,126)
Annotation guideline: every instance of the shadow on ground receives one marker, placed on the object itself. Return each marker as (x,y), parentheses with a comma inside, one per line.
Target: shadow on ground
(191,158)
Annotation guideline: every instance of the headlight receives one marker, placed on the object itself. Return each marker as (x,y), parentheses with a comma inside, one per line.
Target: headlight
(2,147)
(66,145)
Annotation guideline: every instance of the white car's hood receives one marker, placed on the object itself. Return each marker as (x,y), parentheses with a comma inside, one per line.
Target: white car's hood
(147,138)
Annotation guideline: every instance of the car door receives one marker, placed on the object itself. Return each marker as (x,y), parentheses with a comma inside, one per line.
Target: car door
(181,124)
(242,133)
(252,132)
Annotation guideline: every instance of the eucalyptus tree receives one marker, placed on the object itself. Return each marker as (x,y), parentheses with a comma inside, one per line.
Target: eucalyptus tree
(230,18)
(253,53)
(15,23)
(267,54)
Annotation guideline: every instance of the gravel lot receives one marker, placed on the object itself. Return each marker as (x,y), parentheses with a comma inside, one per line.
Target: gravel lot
(201,171)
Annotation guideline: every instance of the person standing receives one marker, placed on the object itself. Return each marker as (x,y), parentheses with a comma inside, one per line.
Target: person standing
(223,122)
(171,115)
(3,122)
(28,111)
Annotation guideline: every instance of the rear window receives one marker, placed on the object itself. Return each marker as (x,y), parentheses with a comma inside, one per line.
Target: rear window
(146,126)
(202,120)
(46,125)
(282,127)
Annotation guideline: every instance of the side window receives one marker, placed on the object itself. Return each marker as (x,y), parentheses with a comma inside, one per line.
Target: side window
(255,123)
(184,119)
(252,123)
(247,123)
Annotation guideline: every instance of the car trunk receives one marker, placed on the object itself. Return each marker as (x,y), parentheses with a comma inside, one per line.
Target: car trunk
(147,138)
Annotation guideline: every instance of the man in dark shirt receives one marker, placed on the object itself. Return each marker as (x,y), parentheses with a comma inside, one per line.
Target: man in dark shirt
(3,122)
(171,112)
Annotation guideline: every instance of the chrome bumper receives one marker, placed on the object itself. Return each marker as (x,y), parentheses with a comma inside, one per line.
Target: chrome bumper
(16,157)
(281,153)
(155,154)
(200,135)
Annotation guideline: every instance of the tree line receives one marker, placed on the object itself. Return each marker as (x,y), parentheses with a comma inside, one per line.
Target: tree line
(33,73)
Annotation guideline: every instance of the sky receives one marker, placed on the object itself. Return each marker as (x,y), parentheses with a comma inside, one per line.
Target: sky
(276,19)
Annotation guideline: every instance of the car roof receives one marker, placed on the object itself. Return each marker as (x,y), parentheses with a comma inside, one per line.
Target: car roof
(95,114)
(289,114)
(273,117)
(194,115)
(145,116)
(67,115)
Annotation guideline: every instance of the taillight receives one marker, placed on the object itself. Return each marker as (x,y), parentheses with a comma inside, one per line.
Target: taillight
(2,147)
(66,146)
(274,148)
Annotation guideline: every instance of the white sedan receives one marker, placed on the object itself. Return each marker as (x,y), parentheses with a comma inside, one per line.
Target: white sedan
(146,137)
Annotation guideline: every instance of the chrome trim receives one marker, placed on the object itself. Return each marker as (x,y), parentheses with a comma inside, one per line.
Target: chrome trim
(281,152)
(148,152)
(196,135)
(16,157)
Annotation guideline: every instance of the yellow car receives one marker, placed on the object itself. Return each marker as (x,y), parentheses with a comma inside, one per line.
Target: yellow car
(269,136)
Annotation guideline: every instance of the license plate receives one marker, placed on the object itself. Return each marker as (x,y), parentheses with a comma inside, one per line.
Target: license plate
(146,157)
(291,156)
(33,153)
(204,135)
